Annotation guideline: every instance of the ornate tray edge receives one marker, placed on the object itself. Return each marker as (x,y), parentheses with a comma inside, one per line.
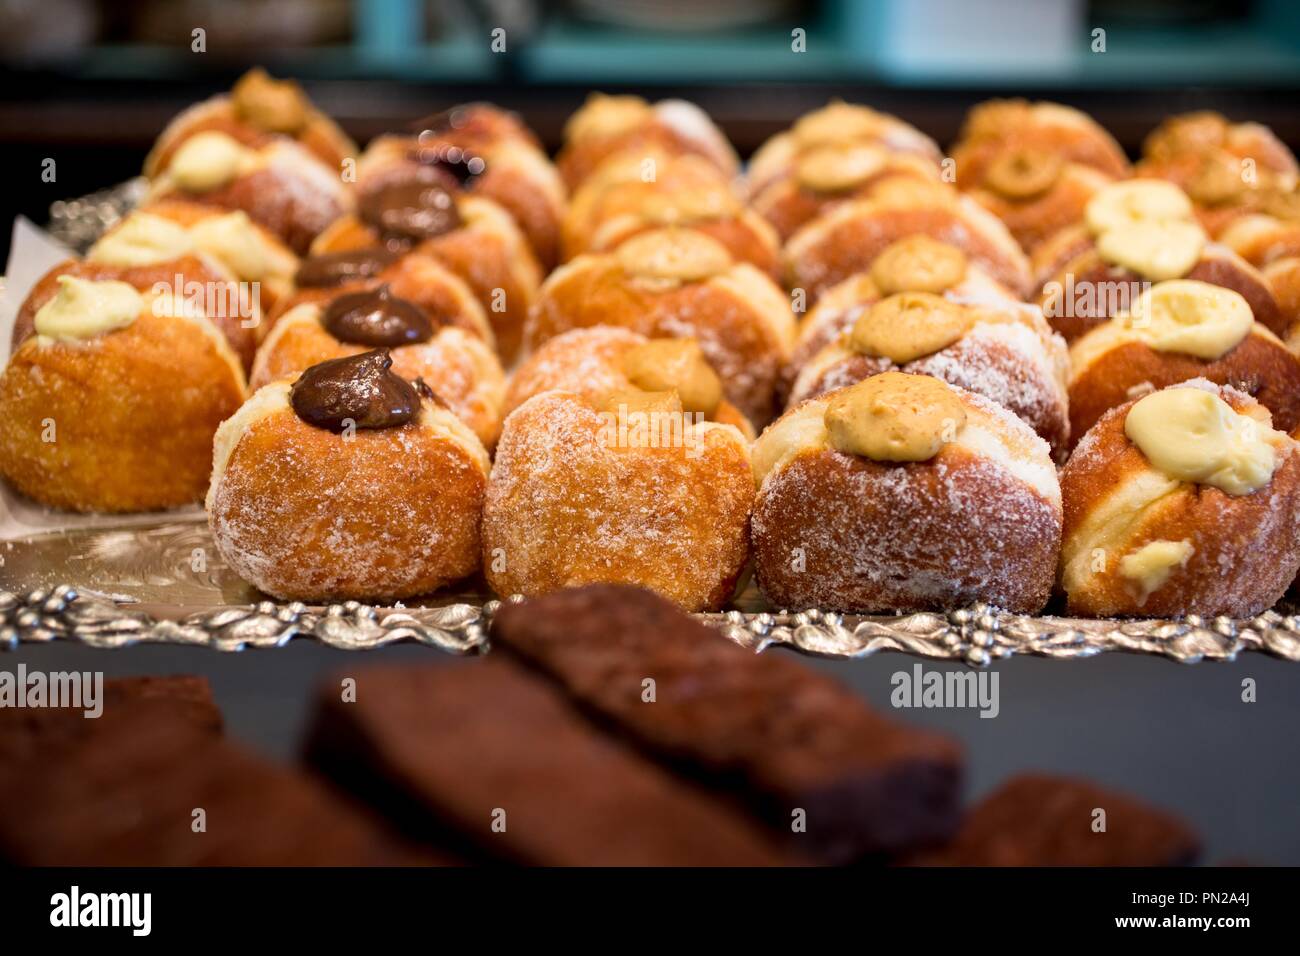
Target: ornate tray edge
(977,636)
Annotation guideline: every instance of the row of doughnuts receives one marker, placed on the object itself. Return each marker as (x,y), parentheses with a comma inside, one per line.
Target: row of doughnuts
(376,356)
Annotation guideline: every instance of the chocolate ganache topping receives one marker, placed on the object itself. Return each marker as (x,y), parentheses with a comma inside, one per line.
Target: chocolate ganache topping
(376,318)
(409,210)
(360,389)
(338,268)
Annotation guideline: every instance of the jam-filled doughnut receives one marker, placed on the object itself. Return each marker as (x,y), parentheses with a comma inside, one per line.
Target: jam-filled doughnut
(1134,233)
(582,493)
(606,127)
(848,238)
(349,483)
(429,212)
(258,110)
(496,155)
(837,124)
(1184,501)
(112,401)
(679,283)
(904,493)
(461,371)
(1229,169)
(914,264)
(1004,351)
(621,201)
(420,278)
(604,360)
(1178,330)
(197,277)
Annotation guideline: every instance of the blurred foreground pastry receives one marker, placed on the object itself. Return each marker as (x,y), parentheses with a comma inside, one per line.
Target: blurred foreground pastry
(634,491)
(349,483)
(679,283)
(1185,501)
(112,402)
(904,493)
(1176,331)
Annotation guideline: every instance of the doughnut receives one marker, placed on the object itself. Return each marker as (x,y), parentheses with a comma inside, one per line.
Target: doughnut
(420,278)
(611,126)
(1135,233)
(914,264)
(620,201)
(904,493)
(347,484)
(604,360)
(257,110)
(1005,352)
(826,176)
(679,283)
(1229,169)
(1183,501)
(848,238)
(497,155)
(111,403)
(582,494)
(461,371)
(1179,330)
(278,183)
(836,124)
(471,236)
(1272,244)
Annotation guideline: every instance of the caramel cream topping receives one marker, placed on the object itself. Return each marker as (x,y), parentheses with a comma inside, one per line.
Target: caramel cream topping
(603,116)
(839,167)
(675,365)
(838,122)
(894,417)
(679,255)
(908,325)
(83,309)
(278,106)
(918,264)
(1023,173)
(1192,435)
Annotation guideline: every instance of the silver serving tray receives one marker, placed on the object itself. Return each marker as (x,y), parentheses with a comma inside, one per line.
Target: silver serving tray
(144,584)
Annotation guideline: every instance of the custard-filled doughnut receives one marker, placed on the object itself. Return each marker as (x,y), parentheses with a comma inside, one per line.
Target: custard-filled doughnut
(612,126)
(497,156)
(420,278)
(679,283)
(279,184)
(823,177)
(1005,352)
(1184,501)
(847,239)
(605,360)
(471,236)
(461,371)
(837,124)
(1135,233)
(1229,169)
(621,201)
(904,493)
(1179,330)
(112,402)
(1272,244)
(914,264)
(347,484)
(257,110)
(582,494)
(197,277)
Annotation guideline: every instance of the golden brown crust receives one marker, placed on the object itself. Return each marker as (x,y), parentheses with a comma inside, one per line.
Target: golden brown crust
(739,337)
(1259,365)
(826,535)
(566,506)
(589,363)
(1035,219)
(996,126)
(847,240)
(1245,550)
(132,413)
(303,514)
(241,337)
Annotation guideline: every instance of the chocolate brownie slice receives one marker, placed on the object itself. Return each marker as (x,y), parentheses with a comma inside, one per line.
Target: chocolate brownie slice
(124,791)
(1040,820)
(835,779)
(497,755)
